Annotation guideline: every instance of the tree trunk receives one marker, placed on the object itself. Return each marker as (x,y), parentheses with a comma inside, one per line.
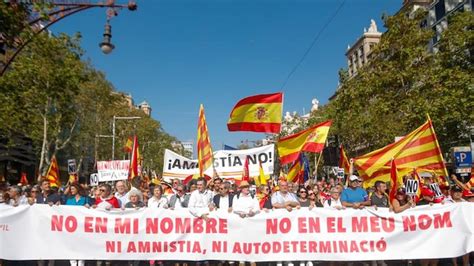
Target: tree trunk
(45,140)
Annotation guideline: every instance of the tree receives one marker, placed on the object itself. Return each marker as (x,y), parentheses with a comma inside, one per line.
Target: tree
(403,82)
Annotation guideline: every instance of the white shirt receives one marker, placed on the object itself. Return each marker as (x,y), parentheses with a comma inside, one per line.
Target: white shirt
(154,202)
(245,204)
(23,200)
(279,198)
(334,203)
(199,202)
(123,199)
(224,202)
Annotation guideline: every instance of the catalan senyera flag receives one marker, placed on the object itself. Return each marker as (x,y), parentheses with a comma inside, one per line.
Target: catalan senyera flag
(53,173)
(134,160)
(258,113)
(312,139)
(204,149)
(343,161)
(419,149)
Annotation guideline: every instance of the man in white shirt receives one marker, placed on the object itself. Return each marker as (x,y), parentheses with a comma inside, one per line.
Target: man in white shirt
(335,201)
(283,199)
(200,201)
(245,205)
(16,198)
(122,192)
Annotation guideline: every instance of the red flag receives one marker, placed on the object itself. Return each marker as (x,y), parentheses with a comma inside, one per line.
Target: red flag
(245,172)
(23,180)
(394,179)
(134,160)
(343,161)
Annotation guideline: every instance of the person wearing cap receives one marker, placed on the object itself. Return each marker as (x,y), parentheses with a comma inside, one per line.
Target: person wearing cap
(283,199)
(427,196)
(245,205)
(200,201)
(456,195)
(402,201)
(354,196)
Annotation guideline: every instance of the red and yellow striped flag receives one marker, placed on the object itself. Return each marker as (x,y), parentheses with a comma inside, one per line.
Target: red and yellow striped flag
(259,113)
(343,161)
(204,149)
(296,172)
(311,140)
(53,173)
(134,160)
(419,150)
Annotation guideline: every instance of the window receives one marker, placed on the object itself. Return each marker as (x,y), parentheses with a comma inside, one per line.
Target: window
(440,10)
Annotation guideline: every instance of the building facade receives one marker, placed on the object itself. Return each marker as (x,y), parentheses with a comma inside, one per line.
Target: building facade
(360,52)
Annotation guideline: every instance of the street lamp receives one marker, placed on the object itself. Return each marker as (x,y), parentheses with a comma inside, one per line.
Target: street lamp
(61,9)
(106,46)
(113,129)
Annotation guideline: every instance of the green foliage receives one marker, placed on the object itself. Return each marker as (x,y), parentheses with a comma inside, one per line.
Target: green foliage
(404,82)
(62,103)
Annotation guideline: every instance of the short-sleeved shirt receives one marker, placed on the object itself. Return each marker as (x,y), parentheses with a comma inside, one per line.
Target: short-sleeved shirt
(354,195)
(72,201)
(279,198)
(379,202)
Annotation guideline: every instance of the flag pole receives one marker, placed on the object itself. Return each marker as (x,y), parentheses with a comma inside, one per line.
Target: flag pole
(316,166)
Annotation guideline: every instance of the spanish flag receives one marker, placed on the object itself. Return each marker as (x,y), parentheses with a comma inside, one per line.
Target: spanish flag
(419,149)
(53,173)
(311,140)
(259,113)
(343,161)
(204,149)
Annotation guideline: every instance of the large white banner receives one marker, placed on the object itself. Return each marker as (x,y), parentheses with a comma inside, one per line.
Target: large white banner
(227,163)
(113,170)
(73,232)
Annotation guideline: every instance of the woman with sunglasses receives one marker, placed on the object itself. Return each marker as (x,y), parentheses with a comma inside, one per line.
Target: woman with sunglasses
(315,200)
(303,197)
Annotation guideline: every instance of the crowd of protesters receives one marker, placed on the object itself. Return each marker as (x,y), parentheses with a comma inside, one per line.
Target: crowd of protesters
(245,199)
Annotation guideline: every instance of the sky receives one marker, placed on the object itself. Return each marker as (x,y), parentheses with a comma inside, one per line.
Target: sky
(178,54)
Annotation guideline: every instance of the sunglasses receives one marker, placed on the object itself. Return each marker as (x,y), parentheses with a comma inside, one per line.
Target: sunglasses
(222,188)
(34,191)
(102,190)
(311,194)
(302,191)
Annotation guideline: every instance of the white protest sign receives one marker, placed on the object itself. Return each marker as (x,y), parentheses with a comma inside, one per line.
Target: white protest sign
(94,180)
(227,163)
(411,186)
(113,170)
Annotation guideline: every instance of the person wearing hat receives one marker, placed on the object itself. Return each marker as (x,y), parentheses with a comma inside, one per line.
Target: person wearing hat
(354,196)
(402,201)
(427,196)
(456,195)
(245,205)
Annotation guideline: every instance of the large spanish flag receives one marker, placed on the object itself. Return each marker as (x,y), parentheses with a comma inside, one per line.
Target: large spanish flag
(53,173)
(312,139)
(419,149)
(204,149)
(259,113)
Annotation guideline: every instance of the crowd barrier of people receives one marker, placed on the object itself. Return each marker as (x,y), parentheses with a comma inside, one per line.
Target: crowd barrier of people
(243,198)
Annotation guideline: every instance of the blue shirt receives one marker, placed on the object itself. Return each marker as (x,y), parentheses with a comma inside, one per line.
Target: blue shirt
(354,195)
(72,201)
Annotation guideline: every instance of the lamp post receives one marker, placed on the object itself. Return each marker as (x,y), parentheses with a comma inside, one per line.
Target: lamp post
(60,10)
(113,129)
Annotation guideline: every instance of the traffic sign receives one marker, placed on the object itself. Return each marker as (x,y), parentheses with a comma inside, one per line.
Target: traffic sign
(462,157)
